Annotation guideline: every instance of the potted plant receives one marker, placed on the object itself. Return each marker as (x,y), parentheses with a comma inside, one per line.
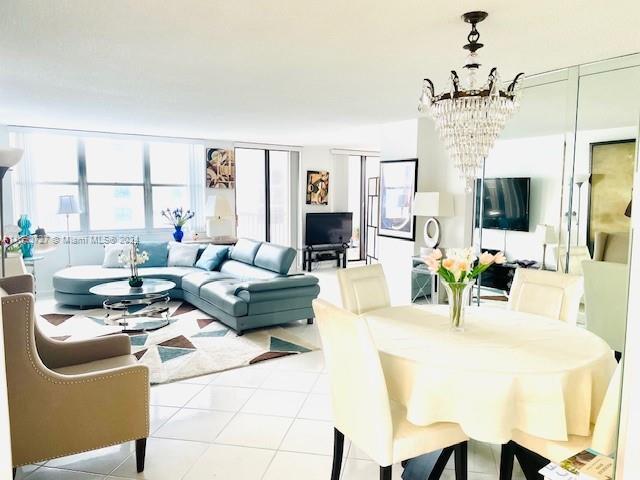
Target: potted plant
(458,275)
(177,217)
(132,258)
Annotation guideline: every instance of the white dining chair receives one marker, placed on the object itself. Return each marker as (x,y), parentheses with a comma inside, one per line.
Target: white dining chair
(363,288)
(550,294)
(534,453)
(362,409)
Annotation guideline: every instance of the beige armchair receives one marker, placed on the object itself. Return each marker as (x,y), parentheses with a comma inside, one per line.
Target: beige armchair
(68,397)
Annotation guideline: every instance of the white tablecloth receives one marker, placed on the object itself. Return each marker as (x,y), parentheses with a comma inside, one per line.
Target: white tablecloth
(507,370)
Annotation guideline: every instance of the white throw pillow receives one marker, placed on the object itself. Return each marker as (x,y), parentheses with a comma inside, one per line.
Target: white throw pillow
(111,254)
(182,254)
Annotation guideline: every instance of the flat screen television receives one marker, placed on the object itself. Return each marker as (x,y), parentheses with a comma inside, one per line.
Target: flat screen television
(328,228)
(506,203)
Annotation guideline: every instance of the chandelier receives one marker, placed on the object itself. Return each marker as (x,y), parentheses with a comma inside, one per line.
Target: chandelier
(469,117)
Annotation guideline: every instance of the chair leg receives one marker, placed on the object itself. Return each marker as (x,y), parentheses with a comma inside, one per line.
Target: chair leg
(385,473)
(460,457)
(141,450)
(507,455)
(441,463)
(310,321)
(530,462)
(338,447)
(15,471)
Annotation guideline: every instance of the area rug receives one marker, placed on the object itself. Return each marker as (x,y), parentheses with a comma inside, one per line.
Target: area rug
(193,344)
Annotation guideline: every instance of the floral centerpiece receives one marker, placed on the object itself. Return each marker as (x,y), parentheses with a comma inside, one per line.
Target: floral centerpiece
(132,258)
(177,217)
(458,271)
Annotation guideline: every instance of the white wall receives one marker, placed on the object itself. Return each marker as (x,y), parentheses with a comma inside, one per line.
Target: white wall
(399,141)
(321,158)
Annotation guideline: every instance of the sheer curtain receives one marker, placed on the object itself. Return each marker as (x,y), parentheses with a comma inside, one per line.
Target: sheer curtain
(197,177)
(23,179)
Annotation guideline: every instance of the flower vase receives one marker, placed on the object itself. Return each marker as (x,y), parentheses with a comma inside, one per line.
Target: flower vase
(135,282)
(458,298)
(178,233)
(25,231)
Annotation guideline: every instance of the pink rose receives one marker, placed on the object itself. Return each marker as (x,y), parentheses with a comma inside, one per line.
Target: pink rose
(499,258)
(486,258)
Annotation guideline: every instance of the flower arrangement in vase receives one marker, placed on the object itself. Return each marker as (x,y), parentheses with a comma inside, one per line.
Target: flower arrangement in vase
(178,218)
(132,258)
(458,275)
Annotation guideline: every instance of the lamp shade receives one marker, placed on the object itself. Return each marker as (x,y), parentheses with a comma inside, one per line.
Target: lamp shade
(545,234)
(433,204)
(9,157)
(68,204)
(580,178)
(218,206)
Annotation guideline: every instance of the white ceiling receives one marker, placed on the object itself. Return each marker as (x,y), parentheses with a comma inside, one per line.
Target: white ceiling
(296,72)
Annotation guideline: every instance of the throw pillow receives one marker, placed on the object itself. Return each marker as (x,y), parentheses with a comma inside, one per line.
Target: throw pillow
(212,257)
(158,252)
(182,254)
(111,254)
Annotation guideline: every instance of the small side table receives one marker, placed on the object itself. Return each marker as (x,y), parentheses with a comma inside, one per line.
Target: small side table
(30,262)
(423,282)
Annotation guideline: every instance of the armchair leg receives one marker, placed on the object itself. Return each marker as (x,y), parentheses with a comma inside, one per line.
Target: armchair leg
(141,450)
(15,470)
(385,473)
(338,447)
(460,458)
(310,321)
(507,455)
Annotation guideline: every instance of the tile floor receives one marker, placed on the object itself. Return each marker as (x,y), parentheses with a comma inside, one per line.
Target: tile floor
(270,421)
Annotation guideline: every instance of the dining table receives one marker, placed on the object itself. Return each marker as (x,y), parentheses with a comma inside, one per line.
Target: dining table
(506,371)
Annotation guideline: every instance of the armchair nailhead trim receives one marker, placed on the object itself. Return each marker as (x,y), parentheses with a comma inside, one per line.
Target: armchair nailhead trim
(134,370)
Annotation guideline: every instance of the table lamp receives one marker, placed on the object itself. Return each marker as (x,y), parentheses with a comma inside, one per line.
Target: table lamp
(217,209)
(68,205)
(8,158)
(432,205)
(545,235)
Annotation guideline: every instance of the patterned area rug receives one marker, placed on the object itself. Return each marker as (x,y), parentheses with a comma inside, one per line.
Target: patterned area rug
(193,344)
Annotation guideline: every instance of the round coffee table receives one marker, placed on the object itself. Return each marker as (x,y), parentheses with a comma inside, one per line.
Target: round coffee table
(125,304)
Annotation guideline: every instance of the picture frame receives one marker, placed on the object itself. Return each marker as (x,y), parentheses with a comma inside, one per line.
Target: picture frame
(220,168)
(398,186)
(317,187)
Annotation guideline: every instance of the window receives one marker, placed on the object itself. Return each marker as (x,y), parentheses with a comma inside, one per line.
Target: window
(121,183)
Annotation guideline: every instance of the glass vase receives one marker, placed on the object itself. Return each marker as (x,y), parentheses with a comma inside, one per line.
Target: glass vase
(458,298)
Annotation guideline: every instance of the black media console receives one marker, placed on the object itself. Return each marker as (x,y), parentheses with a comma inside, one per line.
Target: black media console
(319,253)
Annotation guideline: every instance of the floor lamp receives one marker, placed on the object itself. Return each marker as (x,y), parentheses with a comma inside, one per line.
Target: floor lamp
(8,158)
(579,180)
(68,205)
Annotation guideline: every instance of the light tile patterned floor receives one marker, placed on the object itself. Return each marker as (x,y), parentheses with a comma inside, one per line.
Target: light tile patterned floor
(270,421)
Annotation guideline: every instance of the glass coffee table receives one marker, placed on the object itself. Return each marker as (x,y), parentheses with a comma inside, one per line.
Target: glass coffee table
(133,308)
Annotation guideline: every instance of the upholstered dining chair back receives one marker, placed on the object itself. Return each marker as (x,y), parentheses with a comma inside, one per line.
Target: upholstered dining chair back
(360,399)
(606,287)
(550,294)
(605,431)
(363,288)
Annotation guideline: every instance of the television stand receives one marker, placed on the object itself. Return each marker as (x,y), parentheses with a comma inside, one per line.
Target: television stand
(320,253)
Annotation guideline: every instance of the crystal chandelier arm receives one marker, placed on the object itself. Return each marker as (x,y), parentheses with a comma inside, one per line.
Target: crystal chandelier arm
(514,84)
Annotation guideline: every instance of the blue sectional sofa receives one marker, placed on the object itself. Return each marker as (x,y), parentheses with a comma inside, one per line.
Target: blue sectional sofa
(250,288)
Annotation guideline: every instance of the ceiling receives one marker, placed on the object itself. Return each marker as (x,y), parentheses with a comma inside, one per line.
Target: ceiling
(296,72)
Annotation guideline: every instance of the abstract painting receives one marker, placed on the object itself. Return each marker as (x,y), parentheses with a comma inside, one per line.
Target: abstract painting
(612,165)
(317,187)
(221,168)
(397,189)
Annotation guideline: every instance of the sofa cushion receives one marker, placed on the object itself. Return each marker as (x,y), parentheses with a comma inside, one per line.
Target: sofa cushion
(157,251)
(275,258)
(212,257)
(245,250)
(182,254)
(242,271)
(80,279)
(112,255)
(192,282)
(221,295)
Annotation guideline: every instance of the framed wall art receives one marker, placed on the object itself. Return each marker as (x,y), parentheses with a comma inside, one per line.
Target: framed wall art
(317,187)
(221,168)
(398,183)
